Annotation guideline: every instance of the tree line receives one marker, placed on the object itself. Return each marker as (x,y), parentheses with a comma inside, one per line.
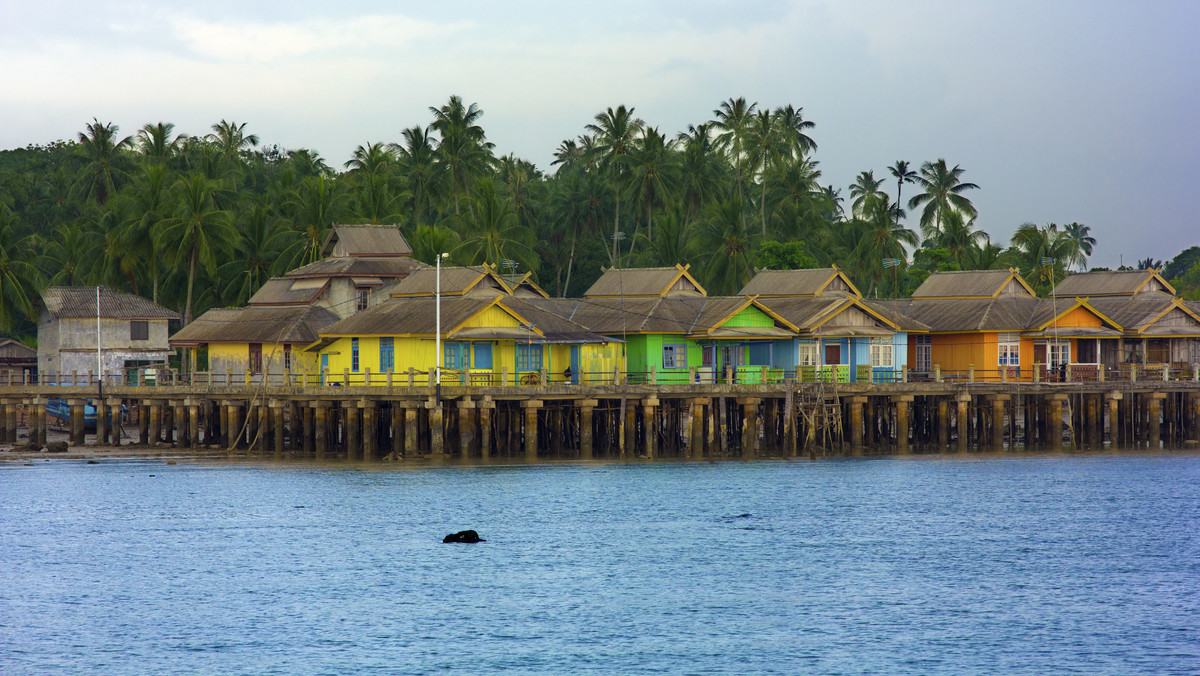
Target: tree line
(201,221)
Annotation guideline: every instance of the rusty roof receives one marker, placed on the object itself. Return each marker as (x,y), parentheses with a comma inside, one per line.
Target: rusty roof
(80,301)
(260,324)
(1112,283)
(365,240)
(808,282)
(282,291)
(645,282)
(351,266)
(970,284)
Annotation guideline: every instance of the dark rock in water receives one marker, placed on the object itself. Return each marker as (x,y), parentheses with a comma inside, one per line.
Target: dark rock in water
(468,536)
(56,447)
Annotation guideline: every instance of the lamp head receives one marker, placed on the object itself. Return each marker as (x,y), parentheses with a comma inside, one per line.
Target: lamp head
(445,255)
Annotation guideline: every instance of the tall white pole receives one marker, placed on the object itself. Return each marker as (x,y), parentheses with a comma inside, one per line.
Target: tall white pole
(99,360)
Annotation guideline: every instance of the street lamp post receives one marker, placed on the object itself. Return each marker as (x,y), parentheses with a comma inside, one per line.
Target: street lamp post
(437,332)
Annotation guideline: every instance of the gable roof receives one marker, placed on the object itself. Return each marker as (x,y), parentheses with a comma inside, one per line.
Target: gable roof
(810,282)
(1008,312)
(284,291)
(455,281)
(645,282)
(972,284)
(261,324)
(817,315)
(1112,283)
(77,302)
(365,240)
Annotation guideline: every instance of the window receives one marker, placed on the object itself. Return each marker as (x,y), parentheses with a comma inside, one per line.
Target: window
(923,353)
(362,299)
(883,352)
(387,354)
(1008,349)
(256,357)
(529,357)
(708,356)
(758,354)
(354,355)
(1088,351)
(1060,353)
(456,355)
(674,356)
(287,357)
(483,355)
(809,353)
(139,329)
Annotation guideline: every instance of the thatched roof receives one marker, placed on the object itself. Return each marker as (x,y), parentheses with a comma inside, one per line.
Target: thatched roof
(286,324)
(645,282)
(77,302)
(365,240)
(284,291)
(768,283)
(973,284)
(349,266)
(1112,283)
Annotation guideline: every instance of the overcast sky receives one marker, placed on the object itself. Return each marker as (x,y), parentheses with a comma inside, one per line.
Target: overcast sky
(1061,111)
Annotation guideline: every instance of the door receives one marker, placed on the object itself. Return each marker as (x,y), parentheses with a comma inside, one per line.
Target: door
(833,353)
(574,364)
(727,361)
(324,367)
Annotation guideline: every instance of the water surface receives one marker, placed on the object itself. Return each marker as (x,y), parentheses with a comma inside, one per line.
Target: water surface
(1080,564)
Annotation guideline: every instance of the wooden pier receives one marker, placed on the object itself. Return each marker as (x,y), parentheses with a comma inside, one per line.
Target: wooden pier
(619,421)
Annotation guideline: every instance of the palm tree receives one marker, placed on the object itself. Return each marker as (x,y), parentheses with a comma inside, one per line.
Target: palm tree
(198,233)
(1044,253)
(865,187)
(730,246)
(371,159)
(463,146)
(231,139)
(794,129)
(105,162)
(902,174)
(422,172)
(1084,242)
(1149,264)
(158,142)
(884,239)
(68,253)
(943,187)
(614,132)
(699,175)
(261,236)
(673,243)
(767,149)
(316,205)
(18,276)
(652,172)
(959,236)
(732,124)
(494,233)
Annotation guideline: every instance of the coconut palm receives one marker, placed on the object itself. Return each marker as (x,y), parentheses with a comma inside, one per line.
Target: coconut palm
(158,142)
(422,172)
(316,205)
(943,187)
(865,187)
(371,159)
(19,278)
(197,233)
(766,149)
(1084,243)
(106,164)
(901,172)
(614,132)
(462,147)
(959,236)
(494,233)
(699,173)
(730,246)
(1043,253)
(883,238)
(794,130)
(652,173)
(261,236)
(732,125)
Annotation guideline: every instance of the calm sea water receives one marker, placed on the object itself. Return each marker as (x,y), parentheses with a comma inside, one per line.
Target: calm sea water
(1085,565)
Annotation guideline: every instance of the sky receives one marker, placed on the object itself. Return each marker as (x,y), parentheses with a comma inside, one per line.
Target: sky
(1059,110)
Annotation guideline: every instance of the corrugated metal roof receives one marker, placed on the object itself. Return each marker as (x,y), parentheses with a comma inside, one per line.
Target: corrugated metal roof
(80,301)
(286,324)
(893,310)
(349,266)
(365,240)
(632,282)
(963,284)
(791,282)
(1107,283)
(284,291)
(455,281)
(1004,313)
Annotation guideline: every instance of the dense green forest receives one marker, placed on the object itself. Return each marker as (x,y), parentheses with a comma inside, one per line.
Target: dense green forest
(201,221)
